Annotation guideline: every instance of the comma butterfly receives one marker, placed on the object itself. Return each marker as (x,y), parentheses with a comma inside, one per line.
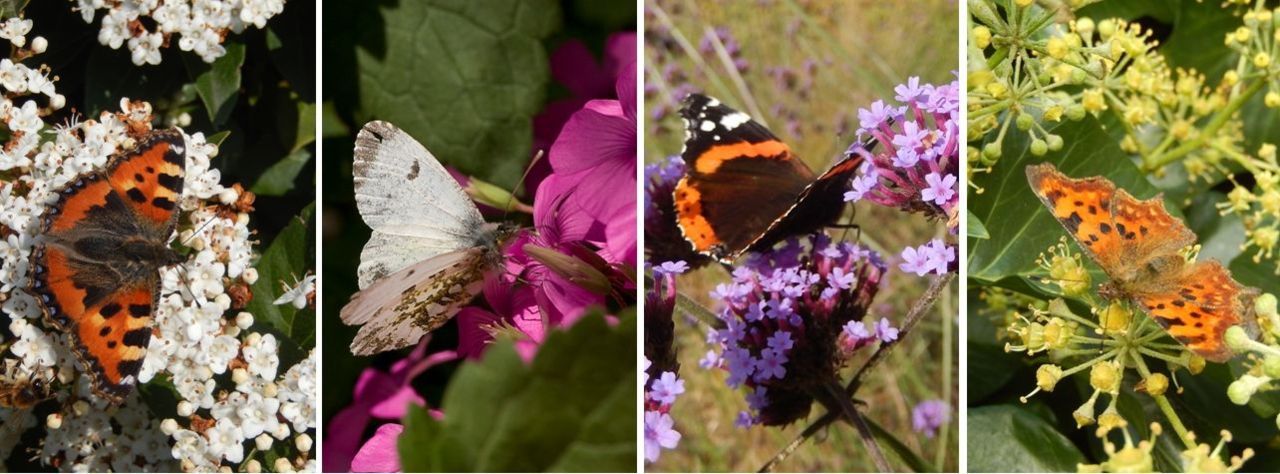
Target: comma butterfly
(1138,244)
(95,268)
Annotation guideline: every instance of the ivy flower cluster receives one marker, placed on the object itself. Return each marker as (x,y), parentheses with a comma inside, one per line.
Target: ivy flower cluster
(200,26)
(1198,457)
(225,373)
(789,319)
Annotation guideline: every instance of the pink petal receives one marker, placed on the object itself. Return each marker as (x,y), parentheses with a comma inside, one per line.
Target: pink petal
(379,454)
(342,440)
(619,51)
(573,65)
(626,87)
(473,336)
(395,406)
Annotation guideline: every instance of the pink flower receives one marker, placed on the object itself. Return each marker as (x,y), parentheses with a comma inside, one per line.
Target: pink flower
(595,157)
(381,395)
(379,453)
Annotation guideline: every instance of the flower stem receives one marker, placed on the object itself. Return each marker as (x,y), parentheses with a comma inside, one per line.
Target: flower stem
(864,432)
(1163,403)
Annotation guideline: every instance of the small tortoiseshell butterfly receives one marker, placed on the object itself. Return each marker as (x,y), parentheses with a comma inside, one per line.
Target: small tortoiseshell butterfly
(96,266)
(743,189)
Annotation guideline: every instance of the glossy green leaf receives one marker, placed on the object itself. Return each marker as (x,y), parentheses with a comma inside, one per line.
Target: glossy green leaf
(1019,226)
(1008,438)
(289,257)
(974,227)
(571,409)
(464,78)
(218,84)
(279,178)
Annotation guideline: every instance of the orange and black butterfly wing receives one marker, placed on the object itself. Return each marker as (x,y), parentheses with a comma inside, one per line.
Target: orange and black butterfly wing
(150,178)
(739,180)
(82,274)
(1199,307)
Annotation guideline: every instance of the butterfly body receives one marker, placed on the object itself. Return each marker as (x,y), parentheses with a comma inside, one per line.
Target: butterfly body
(744,190)
(1139,245)
(96,265)
(430,249)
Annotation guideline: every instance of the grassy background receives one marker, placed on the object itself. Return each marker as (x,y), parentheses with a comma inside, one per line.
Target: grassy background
(858,50)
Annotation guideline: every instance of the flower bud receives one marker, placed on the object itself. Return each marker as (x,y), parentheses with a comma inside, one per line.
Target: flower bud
(283,465)
(1243,388)
(53,421)
(1084,414)
(981,37)
(169,426)
(1272,99)
(1085,26)
(1047,377)
(1111,419)
(1093,100)
(991,151)
(1039,147)
(1271,366)
(1261,60)
(1155,385)
(1115,319)
(1106,377)
(1195,363)
(1237,339)
(253,466)
(1025,122)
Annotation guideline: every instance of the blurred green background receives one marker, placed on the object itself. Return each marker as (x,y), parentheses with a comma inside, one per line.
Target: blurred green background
(465,79)
(804,68)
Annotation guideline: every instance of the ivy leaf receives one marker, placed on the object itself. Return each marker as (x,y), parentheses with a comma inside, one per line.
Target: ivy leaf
(288,257)
(975,227)
(463,78)
(217,84)
(279,178)
(1020,227)
(1008,438)
(571,409)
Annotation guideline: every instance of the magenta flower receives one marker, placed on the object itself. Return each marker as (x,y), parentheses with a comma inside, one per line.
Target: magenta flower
(930,415)
(595,155)
(378,395)
(379,454)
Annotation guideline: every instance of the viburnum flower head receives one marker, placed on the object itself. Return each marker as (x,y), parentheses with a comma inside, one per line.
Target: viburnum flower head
(198,26)
(784,315)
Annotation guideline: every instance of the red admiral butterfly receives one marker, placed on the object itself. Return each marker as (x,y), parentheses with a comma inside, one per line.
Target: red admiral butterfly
(743,189)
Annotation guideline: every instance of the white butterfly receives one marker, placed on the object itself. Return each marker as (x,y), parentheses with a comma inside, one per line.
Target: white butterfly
(430,248)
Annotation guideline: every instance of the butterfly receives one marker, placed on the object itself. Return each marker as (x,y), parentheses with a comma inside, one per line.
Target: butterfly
(743,189)
(430,249)
(1138,245)
(95,269)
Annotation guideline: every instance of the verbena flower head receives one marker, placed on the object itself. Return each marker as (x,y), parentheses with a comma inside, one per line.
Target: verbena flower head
(915,166)
(661,384)
(230,386)
(930,415)
(784,316)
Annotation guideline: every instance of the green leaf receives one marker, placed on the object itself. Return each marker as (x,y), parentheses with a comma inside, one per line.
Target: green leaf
(288,258)
(897,447)
(306,126)
(1007,438)
(974,226)
(331,124)
(571,409)
(1019,226)
(11,8)
(217,138)
(464,78)
(218,84)
(279,178)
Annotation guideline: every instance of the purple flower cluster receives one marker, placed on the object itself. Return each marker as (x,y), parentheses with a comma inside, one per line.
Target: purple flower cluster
(934,257)
(916,167)
(783,315)
(929,415)
(659,428)
(723,36)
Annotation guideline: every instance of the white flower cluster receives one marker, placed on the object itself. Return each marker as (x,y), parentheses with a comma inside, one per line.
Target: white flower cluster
(200,25)
(225,377)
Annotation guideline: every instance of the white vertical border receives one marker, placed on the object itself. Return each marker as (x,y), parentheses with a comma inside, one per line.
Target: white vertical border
(962,310)
(318,217)
(641,117)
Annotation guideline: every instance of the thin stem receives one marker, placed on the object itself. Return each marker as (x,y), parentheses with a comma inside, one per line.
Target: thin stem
(864,432)
(1163,403)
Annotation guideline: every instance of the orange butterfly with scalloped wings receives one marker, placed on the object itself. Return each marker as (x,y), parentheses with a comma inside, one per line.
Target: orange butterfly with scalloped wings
(1138,244)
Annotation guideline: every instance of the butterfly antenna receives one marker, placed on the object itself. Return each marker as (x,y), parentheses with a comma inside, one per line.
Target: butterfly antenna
(528,169)
(197,231)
